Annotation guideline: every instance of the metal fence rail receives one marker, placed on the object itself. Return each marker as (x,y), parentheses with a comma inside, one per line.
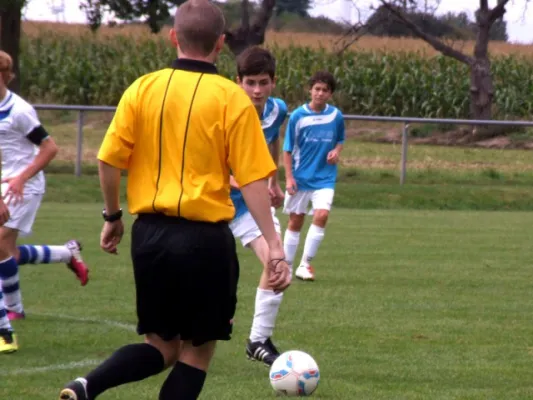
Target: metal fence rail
(404,120)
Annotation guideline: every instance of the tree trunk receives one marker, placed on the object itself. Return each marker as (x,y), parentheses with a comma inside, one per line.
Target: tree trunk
(10,27)
(250,34)
(481,89)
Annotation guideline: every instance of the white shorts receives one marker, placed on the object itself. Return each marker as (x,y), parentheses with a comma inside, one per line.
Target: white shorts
(22,215)
(245,228)
(298,203)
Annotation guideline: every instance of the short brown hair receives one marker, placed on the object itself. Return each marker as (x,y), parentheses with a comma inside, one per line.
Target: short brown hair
(198,25)
(256,60)
(323,77)
(6,67)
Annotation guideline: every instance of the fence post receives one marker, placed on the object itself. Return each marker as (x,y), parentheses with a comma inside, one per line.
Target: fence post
(405,132)
(79,144)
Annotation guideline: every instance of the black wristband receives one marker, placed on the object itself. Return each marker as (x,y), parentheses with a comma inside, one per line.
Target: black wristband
(113,217)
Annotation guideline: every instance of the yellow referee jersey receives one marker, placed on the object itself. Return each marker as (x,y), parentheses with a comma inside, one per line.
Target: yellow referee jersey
(179,131)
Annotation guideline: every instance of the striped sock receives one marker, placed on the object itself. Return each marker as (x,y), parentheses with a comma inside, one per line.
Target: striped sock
(31,254)
(4,321)
(9,274)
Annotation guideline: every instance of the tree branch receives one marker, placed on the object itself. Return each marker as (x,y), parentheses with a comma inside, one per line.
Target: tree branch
(484,5)
(498,11)
(432,40)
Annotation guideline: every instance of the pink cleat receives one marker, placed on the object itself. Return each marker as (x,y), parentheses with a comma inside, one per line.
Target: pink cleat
(12,315)
(76,264)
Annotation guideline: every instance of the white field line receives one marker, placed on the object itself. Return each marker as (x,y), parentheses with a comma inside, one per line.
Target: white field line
(71,365)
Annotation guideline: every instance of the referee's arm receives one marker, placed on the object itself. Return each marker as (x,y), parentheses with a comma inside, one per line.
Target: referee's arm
(252,164)
(116,149)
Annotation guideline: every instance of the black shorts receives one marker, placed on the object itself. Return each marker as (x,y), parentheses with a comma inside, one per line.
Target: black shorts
(186,275)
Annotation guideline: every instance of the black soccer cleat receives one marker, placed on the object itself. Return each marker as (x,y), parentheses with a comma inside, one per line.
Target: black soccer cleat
(264,352)
(75,390)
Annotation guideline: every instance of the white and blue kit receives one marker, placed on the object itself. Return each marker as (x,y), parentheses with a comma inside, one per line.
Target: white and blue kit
(20,135)
(243,225)
(309,137)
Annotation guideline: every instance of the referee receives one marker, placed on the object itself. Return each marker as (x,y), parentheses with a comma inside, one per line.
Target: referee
(179,132)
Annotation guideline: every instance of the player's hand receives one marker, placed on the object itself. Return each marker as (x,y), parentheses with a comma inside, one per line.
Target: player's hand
(333,157)
(279,271)
(276,195)
(290,185)
(4,213)
(111,236)
(15,190)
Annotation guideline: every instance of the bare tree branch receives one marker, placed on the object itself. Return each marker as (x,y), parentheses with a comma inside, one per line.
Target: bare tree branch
(498,11)
(484,5)
(432,40)
(245,15)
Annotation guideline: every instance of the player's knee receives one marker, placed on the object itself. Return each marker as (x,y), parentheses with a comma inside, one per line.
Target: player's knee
(197,356)
(168,349)
(296,221)
(8,243)
(320,218)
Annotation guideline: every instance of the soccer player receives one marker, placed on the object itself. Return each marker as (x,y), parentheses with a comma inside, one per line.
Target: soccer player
(256,68)
(313,143)
(26,151)
(179,132)
(8,339)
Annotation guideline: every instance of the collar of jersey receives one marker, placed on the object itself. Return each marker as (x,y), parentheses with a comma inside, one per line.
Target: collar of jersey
(194,66)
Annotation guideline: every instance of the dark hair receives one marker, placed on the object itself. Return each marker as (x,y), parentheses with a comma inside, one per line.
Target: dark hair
(198,24)
(256,60)
(323,77)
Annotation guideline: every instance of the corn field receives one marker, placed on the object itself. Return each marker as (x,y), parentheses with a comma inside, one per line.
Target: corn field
(85,69)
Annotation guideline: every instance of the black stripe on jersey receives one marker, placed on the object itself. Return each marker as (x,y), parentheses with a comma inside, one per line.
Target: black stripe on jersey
(185,141)
(161,139)
(37,135)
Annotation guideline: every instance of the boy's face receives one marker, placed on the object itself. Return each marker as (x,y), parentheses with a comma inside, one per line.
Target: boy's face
(320,93)
(258,88)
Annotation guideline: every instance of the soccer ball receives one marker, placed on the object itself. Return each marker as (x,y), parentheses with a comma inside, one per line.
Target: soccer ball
(294,373)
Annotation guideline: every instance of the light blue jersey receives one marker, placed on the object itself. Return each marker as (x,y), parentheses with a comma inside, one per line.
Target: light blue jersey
(310,136)
(274,114)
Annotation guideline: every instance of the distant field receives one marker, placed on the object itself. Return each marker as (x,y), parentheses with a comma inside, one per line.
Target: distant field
(284,39)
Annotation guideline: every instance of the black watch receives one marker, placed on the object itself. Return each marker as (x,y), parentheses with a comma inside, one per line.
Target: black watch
(113,217)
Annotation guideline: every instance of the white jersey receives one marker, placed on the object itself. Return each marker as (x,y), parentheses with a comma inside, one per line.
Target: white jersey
(18,119)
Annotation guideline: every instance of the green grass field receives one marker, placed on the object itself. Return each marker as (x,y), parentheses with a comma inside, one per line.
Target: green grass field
(407,305)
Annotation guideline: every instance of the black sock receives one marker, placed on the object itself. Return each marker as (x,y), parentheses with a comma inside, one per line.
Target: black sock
(184,383)
(130,363)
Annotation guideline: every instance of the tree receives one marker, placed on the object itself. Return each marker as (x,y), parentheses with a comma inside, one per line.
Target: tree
(250,32)
(481,84)
(10,27)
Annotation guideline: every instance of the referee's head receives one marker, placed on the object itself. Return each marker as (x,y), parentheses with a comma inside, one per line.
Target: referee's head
(198,30)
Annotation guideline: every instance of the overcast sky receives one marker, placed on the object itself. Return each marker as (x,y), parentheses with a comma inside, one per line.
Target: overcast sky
(519,18)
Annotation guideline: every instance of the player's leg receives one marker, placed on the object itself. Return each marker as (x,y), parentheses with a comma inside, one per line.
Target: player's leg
(321,200)
(187,378)
(156,285)
(8,340)
(296,206)
(9,271)
(69,253)
(267,303)
(211,280)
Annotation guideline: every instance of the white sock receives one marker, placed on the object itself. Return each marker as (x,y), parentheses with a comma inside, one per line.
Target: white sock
(4,321)
(32,254)
(9,278)
(312,243)
(290,245)
(266,310)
